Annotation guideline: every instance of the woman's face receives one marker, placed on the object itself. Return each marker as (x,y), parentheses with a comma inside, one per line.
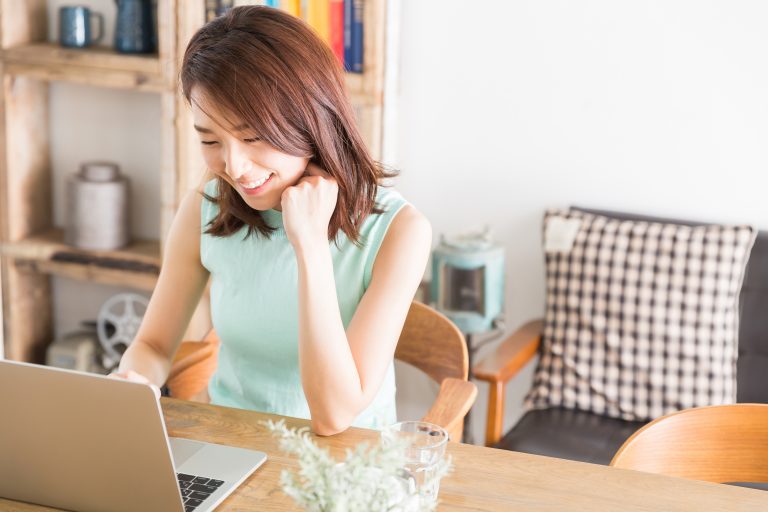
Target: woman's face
(256,170)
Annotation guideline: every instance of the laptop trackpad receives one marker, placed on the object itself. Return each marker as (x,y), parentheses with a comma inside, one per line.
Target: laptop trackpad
(183,450)
(227,463)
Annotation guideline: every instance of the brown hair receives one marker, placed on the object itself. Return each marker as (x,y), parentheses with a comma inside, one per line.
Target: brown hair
(268,69)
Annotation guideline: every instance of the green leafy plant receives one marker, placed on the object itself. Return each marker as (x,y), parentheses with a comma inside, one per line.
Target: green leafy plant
(369,479)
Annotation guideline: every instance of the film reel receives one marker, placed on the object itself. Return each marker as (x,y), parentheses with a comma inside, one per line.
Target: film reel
(117,324)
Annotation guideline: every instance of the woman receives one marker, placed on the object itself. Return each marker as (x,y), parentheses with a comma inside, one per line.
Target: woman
(313,265)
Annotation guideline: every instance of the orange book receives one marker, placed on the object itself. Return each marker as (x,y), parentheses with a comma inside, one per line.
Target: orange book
(318,17)
(291,7)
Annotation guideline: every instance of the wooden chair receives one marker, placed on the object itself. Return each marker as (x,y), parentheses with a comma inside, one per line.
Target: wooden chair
(434,345)
(429,341)
(721,443)
(192,367)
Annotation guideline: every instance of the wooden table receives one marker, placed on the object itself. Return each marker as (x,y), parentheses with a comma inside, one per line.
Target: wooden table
(483,478)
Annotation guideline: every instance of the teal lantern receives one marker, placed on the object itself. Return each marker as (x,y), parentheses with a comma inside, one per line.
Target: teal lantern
(468,280)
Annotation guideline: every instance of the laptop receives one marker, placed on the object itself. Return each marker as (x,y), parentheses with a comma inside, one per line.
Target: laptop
(88,442)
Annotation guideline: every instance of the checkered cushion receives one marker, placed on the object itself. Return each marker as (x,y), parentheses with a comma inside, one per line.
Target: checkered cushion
(641,317)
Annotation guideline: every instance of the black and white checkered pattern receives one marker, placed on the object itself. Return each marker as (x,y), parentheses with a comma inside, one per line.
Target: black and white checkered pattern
(641,317)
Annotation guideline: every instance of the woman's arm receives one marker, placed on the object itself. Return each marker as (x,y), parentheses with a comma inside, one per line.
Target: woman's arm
(178,290)
(341,372)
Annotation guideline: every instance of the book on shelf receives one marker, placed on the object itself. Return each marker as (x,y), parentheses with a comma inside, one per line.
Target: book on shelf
(338,22)
(291,7)
(211,9)
(318,17)
(353,60)
(337,29)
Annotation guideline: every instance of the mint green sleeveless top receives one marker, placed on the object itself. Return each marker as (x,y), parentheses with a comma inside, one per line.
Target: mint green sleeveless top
(254,308)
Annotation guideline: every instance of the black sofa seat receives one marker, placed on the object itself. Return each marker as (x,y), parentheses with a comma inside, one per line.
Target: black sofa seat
(569,434)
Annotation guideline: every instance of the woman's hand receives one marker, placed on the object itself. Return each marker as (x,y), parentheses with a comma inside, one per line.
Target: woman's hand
(136,377)
(307,208)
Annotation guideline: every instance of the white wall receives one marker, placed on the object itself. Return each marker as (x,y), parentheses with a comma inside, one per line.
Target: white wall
(510,107)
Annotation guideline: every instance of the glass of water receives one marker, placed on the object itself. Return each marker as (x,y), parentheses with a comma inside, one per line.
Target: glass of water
(425,448)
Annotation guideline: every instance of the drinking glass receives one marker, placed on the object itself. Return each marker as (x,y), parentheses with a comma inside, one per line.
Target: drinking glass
(425,449)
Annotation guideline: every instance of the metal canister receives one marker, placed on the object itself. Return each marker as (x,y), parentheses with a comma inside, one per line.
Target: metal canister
(98,207)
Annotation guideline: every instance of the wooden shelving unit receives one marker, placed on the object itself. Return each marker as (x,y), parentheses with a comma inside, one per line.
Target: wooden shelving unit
(31,248)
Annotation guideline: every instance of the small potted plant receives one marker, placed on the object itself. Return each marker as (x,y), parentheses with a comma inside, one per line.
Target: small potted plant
(370,478)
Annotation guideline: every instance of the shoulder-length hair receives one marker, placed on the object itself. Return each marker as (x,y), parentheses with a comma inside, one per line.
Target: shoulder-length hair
(267,69)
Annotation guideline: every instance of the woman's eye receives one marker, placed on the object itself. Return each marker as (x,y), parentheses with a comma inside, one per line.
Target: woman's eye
(252,139)
(208,142)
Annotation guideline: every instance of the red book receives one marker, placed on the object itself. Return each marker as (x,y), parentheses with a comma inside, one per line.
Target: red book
(337,28)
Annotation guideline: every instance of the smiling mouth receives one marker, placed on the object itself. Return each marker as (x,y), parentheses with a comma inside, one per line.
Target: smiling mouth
(255,187)
(256,184)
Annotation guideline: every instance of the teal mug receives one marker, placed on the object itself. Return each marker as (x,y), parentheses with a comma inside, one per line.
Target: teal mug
(75,27)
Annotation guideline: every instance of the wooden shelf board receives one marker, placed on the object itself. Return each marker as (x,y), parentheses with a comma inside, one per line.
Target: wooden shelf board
(136,265)
(98,66)
(92,274)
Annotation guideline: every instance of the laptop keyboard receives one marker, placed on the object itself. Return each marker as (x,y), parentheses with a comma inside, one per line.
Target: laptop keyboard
(194,489)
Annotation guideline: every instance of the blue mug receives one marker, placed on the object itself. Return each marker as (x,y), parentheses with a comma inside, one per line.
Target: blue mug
(134,27)
(75,27)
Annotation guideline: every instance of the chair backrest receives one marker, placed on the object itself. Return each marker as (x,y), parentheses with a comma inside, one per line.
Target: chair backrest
(433,344)
(192,367)
(720,443)
(753,322)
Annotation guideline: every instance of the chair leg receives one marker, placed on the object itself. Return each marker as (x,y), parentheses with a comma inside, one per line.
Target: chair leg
(495,413)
